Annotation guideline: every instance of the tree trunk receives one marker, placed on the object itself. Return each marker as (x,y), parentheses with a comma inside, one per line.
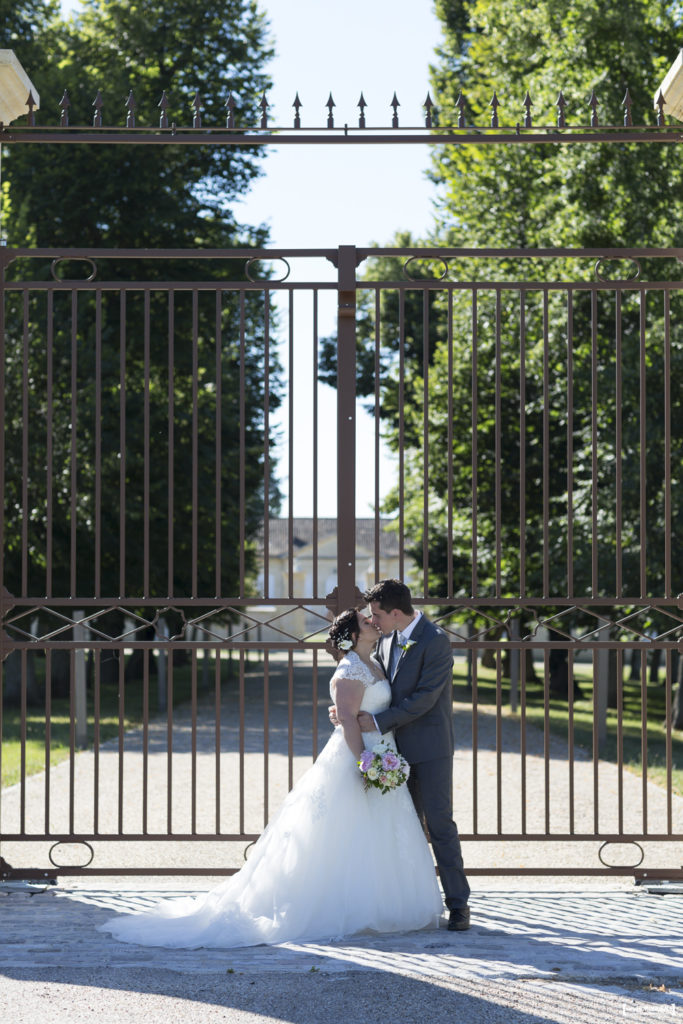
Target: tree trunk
(11,691)
(677,709)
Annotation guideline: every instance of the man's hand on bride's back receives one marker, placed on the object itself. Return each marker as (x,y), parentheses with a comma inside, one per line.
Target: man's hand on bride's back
(332,712)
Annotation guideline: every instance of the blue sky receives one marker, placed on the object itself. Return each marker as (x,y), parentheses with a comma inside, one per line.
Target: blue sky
(328,196)
(314,197)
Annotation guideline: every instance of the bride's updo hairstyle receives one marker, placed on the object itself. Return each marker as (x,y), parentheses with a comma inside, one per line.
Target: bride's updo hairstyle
(343,629)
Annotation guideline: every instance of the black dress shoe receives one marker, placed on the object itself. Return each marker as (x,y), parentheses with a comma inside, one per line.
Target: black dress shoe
(459,919)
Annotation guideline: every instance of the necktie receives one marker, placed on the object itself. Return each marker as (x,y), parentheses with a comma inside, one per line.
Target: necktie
(396,652)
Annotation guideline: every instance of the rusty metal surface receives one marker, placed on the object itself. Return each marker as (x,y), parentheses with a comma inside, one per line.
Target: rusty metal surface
(244,127)
(47,615)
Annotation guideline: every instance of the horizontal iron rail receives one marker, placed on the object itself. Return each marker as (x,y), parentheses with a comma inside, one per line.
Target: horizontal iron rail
(430,284)
(471,837)
(331,253)
(436,600)
(341,135)
(460,643)
(28,875)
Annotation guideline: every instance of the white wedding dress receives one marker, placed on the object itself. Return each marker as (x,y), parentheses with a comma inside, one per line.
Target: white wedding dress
(334,861)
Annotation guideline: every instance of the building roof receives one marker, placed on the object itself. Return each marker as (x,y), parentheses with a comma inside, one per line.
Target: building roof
(303,530)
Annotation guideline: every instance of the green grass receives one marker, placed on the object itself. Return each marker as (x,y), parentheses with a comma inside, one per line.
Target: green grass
(60,739)
(34,748)
(632,726)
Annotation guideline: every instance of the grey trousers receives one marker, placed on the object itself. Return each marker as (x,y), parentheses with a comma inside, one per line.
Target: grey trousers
(431,787)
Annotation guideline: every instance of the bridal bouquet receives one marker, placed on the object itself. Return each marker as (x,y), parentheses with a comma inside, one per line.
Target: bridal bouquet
(383,768)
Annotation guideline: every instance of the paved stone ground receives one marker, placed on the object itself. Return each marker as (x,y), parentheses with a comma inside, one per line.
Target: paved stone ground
(596,953)
(582,957)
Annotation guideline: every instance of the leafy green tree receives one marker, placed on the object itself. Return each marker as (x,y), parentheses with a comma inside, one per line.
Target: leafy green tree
(536,196)
(194,389)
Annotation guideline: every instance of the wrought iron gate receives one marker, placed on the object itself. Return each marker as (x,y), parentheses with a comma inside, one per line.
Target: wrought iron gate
(164,624)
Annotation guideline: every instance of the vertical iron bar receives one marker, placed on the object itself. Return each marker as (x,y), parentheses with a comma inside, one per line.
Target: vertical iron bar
(218,585)
(523,656)
(475,740)
(570,737)
(74,439)
(193,747)
(618,464)
(643,447)
(48,736)
(169,744)
(522,444)
(145,738)
(314,704)
(546,738)
(378,432)
(425,441)
(499,743)
(594,444)
(241,739)
(122,444)
(97,714)
(314,432)
(643,733)
(546,449)
(498,456)
(266,445)
(669,748)
(620,741)
(25,510)
(266,733)
(146,446)
(195,442)
(668,586)
(98,442)
(72,745)
(570,444)
(596,742)
(290,720)
(401,430)
(122,717)
(217,740)
(49,416)
(171,443)
(346,427)
(22,746)
(450,439)
(290,447)
(475,453)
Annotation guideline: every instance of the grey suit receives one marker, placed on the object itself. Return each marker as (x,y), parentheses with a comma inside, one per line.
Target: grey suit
(421,715)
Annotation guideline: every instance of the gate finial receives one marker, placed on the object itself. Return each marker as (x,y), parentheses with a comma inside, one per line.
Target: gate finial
(330,117)
(98,103)
(64,103)
(395,104)
(297,104)
(362,104)
(428,106)
(163,107)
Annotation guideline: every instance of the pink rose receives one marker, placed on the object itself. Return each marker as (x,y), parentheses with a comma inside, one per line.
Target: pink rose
(390,761)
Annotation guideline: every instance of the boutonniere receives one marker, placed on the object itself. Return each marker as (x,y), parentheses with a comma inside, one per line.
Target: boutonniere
(407,645)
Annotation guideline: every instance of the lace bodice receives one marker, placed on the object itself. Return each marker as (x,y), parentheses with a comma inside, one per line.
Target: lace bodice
(377,694)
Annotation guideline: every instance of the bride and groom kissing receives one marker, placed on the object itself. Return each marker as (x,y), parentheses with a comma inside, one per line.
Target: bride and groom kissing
(339,858)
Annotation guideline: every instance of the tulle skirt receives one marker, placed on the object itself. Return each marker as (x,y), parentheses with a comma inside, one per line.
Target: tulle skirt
(335,860)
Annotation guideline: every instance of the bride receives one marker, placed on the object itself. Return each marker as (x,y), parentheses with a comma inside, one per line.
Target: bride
(335,860)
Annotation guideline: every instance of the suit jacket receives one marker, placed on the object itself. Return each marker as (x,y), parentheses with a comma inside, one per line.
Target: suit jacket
(421,711)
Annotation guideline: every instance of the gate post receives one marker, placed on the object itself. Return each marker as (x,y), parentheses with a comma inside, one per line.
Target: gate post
(346,427)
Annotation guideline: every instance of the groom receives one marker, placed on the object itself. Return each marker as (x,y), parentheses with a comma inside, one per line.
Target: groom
(416,658)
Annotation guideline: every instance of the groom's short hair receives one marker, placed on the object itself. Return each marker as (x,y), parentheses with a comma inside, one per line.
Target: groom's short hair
(390,594)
